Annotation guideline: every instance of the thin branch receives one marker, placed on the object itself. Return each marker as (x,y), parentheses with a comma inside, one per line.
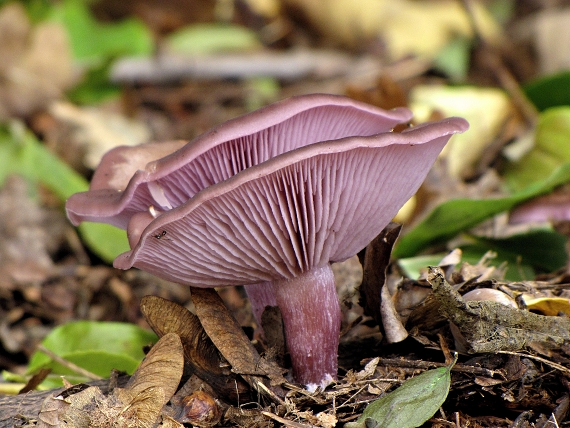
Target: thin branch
(501,72)
(67,364)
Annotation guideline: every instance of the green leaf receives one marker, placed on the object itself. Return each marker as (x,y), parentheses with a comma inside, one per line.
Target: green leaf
(37,10)
(551,149)
(210,38)
(452,217)
(93,42)
(104,240)
(549,91)
(95,87)
(541,248)
(515,269)
(453,59)
(95,346)
(412,267)
(21,153)
(409,406)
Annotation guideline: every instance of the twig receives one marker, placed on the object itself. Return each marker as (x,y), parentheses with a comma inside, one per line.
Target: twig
(68,364)
(288,65)
(504,76)
(555,366)
(271,394)
(426,365)
(286,422)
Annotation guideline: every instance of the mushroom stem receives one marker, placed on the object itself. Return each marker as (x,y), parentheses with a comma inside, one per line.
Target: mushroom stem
(260,296)
(311,315)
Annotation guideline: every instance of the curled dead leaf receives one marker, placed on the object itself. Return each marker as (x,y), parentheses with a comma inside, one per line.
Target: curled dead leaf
(376,259)
(229,338)
(162,368)
(202,357)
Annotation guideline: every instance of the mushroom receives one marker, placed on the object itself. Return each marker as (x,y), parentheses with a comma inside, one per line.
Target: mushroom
(552,207)
(268,200)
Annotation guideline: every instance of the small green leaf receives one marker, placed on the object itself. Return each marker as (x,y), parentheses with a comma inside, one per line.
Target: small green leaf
(549,91)
(452,217)
(409,406)
(412,266)
(95,346)
(541,248)
(210,38)
(104,240)
(95,87)
(93,42)
(453,59)
(21,153)
(551,150)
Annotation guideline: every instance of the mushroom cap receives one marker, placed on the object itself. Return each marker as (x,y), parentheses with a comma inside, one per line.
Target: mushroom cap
(220,154)
(292,213)
(551,207)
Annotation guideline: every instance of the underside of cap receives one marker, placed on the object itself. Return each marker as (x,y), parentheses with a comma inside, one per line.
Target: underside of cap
(293,213)
(223,152)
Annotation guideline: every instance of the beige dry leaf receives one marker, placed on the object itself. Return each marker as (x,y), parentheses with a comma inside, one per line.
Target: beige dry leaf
(549,30)
(142,409)
(36,63)
(52,409)
(98,130)
(407,27)
(486,110)
(139,404)
(547,305)
(168,422)
(161,368)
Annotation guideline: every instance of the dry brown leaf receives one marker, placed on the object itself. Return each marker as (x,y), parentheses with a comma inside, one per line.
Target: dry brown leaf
(139,404)
(35,380)
(202,357)
(162,367)
(52,409)
(229,338)
(376,259)
(142,408)
(165,317)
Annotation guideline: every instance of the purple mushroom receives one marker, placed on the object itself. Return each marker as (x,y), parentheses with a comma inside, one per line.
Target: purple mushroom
(268,200)
(554,206)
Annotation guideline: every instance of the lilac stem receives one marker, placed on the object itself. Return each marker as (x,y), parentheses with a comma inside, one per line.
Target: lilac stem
(260,295)
(311,315)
